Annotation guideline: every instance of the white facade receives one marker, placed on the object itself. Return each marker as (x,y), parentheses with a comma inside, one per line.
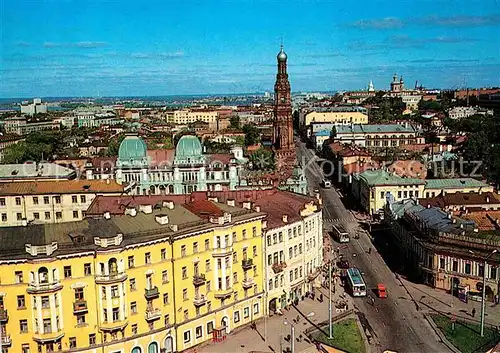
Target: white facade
(294,253)
(37,107)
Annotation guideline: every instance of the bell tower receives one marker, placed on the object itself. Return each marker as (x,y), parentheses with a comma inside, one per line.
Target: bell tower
(283,123)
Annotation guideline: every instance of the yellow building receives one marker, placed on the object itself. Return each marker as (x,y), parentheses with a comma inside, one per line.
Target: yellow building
(156,276)
(188,116)
(373,187)
(339,117)
(61,201)
(435,187)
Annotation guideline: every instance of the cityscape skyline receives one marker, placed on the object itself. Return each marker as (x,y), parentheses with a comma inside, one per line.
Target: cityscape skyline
(190,48)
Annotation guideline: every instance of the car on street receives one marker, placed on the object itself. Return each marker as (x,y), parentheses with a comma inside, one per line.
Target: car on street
(343,264)
(381,291)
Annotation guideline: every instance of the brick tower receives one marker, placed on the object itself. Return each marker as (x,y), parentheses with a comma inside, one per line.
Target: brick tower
(283,124)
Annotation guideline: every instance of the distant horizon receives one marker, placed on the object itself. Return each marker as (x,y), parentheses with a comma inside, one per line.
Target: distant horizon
(90,48)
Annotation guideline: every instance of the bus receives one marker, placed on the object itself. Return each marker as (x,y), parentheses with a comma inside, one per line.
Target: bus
(356,283)
(340,234)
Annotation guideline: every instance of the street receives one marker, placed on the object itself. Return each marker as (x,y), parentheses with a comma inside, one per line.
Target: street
(394,323)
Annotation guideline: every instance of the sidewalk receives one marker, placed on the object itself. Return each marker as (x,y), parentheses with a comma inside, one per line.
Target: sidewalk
(430,300)
(271,333)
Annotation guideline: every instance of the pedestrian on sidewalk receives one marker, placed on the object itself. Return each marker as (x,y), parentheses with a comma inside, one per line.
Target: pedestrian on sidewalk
(473,312)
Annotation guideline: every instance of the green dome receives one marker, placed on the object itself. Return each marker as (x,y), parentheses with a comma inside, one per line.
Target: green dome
(188,146)
(132,148)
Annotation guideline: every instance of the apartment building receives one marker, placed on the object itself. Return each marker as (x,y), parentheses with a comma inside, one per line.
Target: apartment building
(20,125)
(188,116)
(444,251)
(37,107)
(35,171)
(435,187)
(292,241)
(50,202)
(161,277)
(338,115)
(380,135)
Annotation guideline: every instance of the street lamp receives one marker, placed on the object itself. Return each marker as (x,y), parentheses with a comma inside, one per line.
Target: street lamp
(484,288)
(292,336)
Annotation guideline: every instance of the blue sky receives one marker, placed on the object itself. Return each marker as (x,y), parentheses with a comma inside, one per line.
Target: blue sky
(113,48)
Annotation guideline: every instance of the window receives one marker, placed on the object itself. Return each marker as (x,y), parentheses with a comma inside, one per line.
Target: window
(195,247)
(83,199)
(133,307)
(4,217)
(72,342)
(67,271)
(290,253)
(455,266)
(187,336)
(87,270)
(210,327)
(147,257)
(165,298)
(493,273)
(236,317)
(18,201)
(209,286)
(19,276)
(254,250)
(19,216)
(184,273)
(103,292)
(300,248)
(132,284)
(183,250)
(75,214)
(235,257)
(80,319)
(91,339)
(270,286)
(244,233)
(185,294)
(46,200)
(467,268)
(23,325)
(57,199)
(163,254)
(74,199)
(47,327)
(36,215)
(289,234)
(134,329)
(441,263)
(25,348)
(45,302)
(235,277)
(199,332)
(114,291)
(164,276)
(399,194)
(21,302)
(2,201)
(116,314)
(234,237)
(186,314)
(246,312)
(207,265)
(254,231)
(131,262)
(79,294)
(481,270)
(47,215)
(166,320)
(256,308)
(207,244)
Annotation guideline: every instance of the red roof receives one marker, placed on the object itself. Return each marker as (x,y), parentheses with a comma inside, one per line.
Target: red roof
(415,147)
(409,169)
(161,157)
(221,158)
(360,167)
(463,199)
(104,163)
(204,208)
(116,204)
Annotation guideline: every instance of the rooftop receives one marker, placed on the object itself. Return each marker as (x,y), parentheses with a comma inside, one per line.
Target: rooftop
(459,183)
(141,227)
(408,168)
(380,177)
(462,199)
(35,171)
(377,128)
(58,187)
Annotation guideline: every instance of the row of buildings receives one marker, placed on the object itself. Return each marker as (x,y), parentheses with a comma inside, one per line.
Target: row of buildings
(155,273)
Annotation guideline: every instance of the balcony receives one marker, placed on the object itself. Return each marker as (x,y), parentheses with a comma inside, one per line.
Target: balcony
(247,264)
(151,293)
(113,325)
(199,279)
(6,341)
(4,315)
(228,250)
(223,293)
(199,300)
(247,283)
(113,277)
(312,276)
(49,336)
(80,306)
(40,288)
(153,314)
(278,267)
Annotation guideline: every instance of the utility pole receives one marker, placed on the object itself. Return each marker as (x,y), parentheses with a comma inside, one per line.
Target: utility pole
(330,299)
(1,339)
(292,341)
(483,296)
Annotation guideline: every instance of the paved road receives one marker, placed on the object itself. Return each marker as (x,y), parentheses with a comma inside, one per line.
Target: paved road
(394,322)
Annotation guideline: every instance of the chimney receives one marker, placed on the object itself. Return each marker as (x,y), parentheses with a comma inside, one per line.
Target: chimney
(285,218)
(247,205)
(108,181)
(428,205)
(107,215)
(476,230)
(264,224)
(230,202)
(161,219)
(454,220)
(24,222)
(147,209)
(461,225)
(487,199)
(131,211)
(213,199)
(174,227)
(168,204)
(257,208)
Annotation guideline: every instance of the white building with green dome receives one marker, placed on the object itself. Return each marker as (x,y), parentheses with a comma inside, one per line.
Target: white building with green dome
(186,169)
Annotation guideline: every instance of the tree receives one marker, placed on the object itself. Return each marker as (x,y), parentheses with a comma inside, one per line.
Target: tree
(333,132)
(263,159)
(252,134)
(168,143)
(114,145)
(234,122)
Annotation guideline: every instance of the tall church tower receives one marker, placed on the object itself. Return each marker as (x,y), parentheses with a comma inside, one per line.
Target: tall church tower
(283,123)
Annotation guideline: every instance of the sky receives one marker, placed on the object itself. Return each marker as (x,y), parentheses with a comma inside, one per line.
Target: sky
(61,48)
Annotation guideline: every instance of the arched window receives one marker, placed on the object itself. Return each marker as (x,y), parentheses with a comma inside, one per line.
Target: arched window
(136,350)
(113,266)
(153,347)
(43,275)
